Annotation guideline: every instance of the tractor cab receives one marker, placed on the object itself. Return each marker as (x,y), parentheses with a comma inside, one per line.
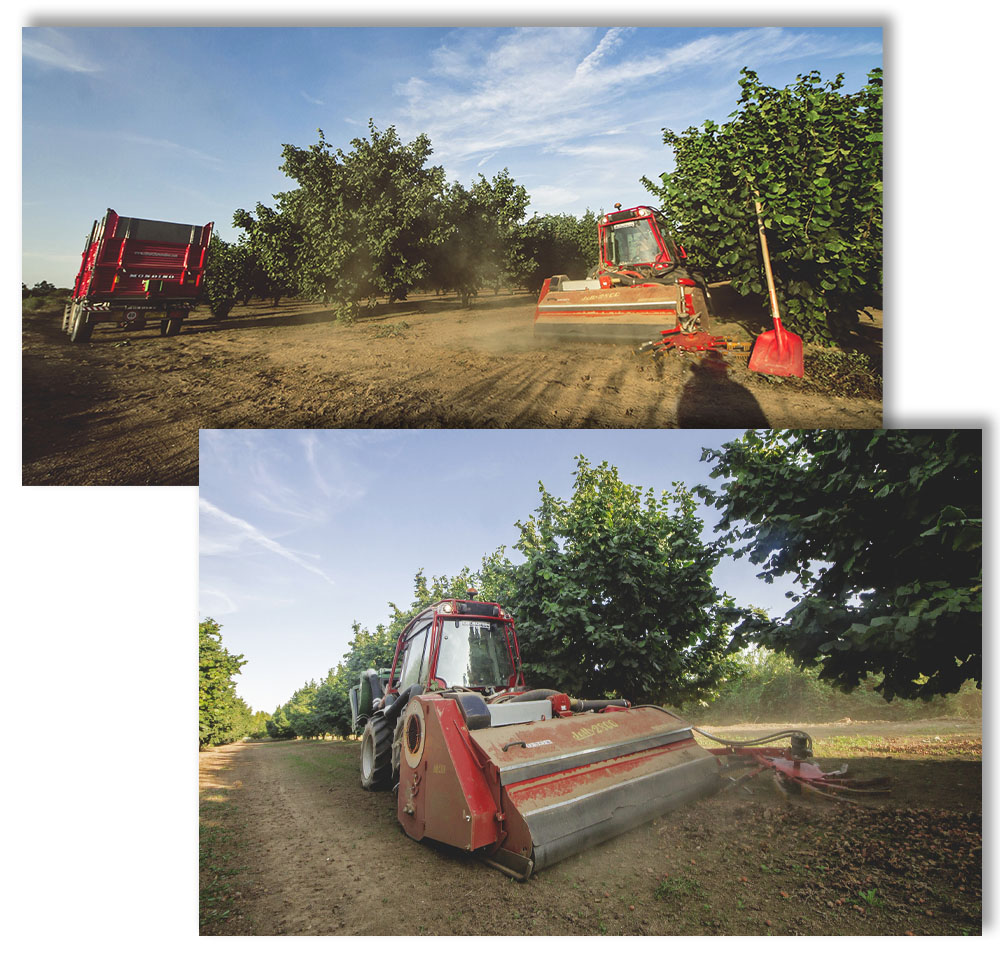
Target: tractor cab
(463,645)
(637,237)
(458,644)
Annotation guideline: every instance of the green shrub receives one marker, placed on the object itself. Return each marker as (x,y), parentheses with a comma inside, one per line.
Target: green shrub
(770,688)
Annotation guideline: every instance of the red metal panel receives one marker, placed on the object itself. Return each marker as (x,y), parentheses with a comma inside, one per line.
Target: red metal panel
(119,266)
(446,796)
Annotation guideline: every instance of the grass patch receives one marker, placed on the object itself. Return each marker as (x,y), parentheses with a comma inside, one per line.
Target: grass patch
(922,745)
(391,330)
(221,877)
(678,887)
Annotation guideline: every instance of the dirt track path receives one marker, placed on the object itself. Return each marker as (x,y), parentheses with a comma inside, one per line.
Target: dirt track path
(126,407)
(323,857)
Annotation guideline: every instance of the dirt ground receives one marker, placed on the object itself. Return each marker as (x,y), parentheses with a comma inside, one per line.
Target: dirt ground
(125,408)
(291,845)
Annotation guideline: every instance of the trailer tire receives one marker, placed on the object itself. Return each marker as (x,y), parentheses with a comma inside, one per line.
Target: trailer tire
(376,753)
(67,312)
(80,325)
(171,326)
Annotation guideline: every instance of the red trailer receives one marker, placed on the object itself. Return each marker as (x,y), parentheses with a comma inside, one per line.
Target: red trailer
(135,271)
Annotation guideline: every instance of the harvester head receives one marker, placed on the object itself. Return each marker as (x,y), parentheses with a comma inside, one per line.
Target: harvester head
(525,795)
(640,287)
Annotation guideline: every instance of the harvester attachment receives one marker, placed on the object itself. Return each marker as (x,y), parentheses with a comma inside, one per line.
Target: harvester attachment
(525,788)
(794,771)
(641,284)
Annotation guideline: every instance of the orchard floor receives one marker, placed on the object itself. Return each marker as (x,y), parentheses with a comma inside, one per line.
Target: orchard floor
(291,845)
(125,408)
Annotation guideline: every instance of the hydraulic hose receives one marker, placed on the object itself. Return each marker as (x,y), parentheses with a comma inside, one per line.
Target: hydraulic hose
(397,704)
(784,734)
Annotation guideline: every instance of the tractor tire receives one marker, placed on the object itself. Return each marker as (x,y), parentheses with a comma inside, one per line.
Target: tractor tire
(376,753)
(67,312)
(80,325)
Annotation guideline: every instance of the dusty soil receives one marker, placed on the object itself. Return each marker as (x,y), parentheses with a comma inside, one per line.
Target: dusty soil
(291,845)
(126,407)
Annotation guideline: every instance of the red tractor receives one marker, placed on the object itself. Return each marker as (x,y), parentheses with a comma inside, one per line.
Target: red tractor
(521,777)
(640,288)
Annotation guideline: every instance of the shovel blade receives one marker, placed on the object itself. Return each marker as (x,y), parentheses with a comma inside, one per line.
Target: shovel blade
(777,354)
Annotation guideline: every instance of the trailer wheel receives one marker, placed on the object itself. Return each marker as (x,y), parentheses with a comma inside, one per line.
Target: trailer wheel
(376,753)
(80,325)
(171,326)
(67,312)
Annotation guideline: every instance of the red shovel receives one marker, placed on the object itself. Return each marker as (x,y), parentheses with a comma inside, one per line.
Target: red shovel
(776,352)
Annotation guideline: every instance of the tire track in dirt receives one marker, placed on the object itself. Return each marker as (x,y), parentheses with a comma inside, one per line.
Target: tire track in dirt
(126,407)
(326,858)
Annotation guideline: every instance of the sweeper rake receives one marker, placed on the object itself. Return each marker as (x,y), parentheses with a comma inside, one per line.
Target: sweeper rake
(792,766)
(520,777)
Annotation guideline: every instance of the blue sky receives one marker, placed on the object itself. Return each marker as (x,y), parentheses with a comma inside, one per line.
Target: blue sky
(187,124)
(304,532)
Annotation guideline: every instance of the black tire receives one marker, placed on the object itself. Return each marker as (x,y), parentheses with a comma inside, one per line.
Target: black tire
(67,313)
(80,325)
(376,753)
(173,326)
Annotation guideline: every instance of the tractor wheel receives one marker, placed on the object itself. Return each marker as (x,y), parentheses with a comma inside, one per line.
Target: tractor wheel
(67,312)
(376,753)
(80,325)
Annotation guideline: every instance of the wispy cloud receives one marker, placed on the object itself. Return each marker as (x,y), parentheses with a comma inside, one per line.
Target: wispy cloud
(554,87)
(139,140)
(311,99)
(54,50)
(242,533)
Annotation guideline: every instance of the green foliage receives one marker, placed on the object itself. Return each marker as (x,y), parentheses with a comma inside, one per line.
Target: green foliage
(279,726)
(228,270)
(315,710)
(615,595)
(38,290)
(367,217)
(813,155)
(769,687)
(882,532)
(554,245)
(479,248)
(222,716)
(275,242)
(43,299)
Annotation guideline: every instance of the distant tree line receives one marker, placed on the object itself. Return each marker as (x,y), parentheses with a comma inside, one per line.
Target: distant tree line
(223,717)
(881,531)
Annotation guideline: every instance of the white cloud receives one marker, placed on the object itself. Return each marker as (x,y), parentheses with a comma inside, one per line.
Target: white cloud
(553,87)
(52,49)
(552,197)
(311,99)
(167,144)
(241,533)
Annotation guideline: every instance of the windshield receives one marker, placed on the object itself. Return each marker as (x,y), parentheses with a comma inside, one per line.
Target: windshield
(632,243)
(474,653)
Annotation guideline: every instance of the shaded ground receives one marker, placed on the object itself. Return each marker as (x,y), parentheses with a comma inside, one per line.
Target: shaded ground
(291,845)
(126,407)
